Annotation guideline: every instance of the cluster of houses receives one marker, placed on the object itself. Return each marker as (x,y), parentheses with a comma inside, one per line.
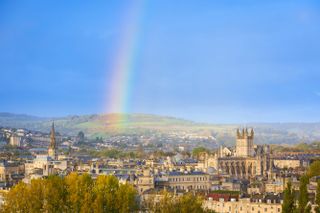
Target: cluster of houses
(247,178)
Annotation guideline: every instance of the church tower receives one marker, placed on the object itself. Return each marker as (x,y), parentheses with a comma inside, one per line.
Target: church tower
(52,150)
(244,145)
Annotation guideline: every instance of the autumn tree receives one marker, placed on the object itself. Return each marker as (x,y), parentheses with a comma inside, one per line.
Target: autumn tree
(17,200)
(79,188)
(189,204)
(73,193)
(36,195)
(126,198)
(105,189)
(55,195)
(165,204)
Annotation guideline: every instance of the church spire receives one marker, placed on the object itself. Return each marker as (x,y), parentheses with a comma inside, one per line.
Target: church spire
(52,137)
(52,151)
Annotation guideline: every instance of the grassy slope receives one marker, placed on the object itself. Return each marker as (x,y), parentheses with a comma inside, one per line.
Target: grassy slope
(113,124)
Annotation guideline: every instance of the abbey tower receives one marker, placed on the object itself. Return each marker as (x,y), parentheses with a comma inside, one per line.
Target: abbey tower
(244,144)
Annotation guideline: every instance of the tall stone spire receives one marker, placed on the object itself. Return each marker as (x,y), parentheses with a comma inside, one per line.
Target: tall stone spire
(52,137)
(52,151)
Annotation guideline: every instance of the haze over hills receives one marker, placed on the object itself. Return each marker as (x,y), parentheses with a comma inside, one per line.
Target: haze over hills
(105,125)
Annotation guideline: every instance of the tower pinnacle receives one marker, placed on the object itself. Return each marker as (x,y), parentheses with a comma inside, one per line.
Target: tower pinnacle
(244,143)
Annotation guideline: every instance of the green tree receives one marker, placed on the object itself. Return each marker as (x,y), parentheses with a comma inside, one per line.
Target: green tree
(308,209)
(140,151)
(187,203)
(196,151)
(314,169)
(288,205)
(318,197)
(80,137)
(303,194)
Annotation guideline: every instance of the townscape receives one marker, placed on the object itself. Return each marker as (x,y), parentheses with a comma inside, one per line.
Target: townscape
(160,106)
(244,178)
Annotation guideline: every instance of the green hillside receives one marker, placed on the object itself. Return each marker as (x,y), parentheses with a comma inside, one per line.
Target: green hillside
(139,124)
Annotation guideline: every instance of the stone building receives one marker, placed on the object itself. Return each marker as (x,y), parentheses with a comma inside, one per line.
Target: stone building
(248,160)
(43,165)
(185,181)
(244,144)
(243,206)
(10,172)
(145,182)
(48,164)
(15,140)
(283,163)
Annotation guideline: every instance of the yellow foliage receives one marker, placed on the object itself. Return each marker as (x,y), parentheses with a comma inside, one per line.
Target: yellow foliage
(73,193)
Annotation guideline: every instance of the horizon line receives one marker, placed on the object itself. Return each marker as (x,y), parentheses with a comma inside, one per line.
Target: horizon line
(162,115)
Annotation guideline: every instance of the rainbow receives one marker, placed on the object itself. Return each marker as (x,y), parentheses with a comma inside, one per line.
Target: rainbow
(120,85)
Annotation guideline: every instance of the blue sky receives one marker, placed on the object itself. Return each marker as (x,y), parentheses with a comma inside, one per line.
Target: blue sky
(210,61)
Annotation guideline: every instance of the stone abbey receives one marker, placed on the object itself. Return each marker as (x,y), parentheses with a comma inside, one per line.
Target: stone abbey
(247,160)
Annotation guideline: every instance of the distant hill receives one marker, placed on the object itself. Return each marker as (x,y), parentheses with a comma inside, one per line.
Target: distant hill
(105,125)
